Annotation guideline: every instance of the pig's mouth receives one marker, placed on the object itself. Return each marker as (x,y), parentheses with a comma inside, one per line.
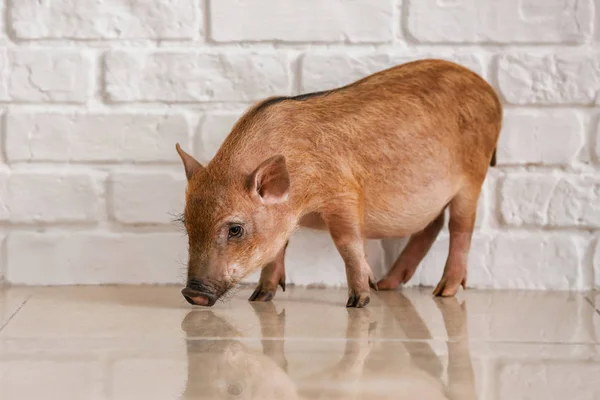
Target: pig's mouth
(201,293)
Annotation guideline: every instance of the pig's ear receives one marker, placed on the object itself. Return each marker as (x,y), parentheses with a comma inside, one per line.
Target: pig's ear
(190,164)
(271,181)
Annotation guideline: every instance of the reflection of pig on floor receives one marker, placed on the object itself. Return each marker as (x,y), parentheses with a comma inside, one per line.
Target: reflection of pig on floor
(228,367)
(421,356)
(414,371)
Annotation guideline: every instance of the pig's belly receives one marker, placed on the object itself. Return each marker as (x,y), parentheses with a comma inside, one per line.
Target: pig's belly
(396,213)
(405,210)
(400,222)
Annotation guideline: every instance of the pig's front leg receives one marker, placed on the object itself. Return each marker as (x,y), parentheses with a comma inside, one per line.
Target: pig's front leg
(344,227)
(272,274)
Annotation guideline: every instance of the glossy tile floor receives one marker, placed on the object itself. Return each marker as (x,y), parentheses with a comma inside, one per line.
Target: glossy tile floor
(148,343)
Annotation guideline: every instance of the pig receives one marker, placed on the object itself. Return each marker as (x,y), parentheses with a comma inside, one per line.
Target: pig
(382,157)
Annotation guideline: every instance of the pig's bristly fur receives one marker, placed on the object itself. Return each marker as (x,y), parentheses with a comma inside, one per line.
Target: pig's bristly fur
(382,157)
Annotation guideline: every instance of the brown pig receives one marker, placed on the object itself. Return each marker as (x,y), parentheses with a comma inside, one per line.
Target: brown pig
(381,157)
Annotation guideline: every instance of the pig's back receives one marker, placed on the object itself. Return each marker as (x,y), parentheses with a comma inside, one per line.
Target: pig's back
(418,110)
(409,135)
(415,111)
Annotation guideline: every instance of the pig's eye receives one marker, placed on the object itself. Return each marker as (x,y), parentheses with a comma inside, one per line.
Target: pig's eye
(235,231)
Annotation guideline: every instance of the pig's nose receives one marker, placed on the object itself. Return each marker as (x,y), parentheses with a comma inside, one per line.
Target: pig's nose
(198,298)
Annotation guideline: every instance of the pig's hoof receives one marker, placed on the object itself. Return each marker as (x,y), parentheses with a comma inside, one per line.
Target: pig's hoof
(372,284)
(358,300)
(388,283)
(262,294)
(448,287)
(399,274)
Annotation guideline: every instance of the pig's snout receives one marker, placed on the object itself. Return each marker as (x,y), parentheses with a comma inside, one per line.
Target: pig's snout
(197,293)
(196,298)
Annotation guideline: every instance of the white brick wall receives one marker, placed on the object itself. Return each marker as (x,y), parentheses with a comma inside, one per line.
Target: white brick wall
(114,137)
(306,21)
(190,76)
(116,19)
(44,75)
(540,137)
(56,258)
(545,78)
(94,96)
(129,193)
(47,196)
(551,200)
(507,21)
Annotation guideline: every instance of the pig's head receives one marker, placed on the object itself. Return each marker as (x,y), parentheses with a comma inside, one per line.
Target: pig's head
(236,223)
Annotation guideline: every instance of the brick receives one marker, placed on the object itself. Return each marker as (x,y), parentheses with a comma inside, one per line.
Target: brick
(310,20)
(146,197)
(567,201)
(212,131)
(597,146)
(171,76)
(94,258)
(322,71)
(524,199)
(79,137)
(59,196)
(596,272)
(540,137)
(3,25)
(4,175)
(575,203)
(509,21)
(549,79)
(116,19)
(38,76)
(522,261)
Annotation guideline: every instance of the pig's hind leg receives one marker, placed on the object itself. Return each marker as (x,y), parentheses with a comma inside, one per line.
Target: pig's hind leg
(272,274)
(463,209)
(412,255)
